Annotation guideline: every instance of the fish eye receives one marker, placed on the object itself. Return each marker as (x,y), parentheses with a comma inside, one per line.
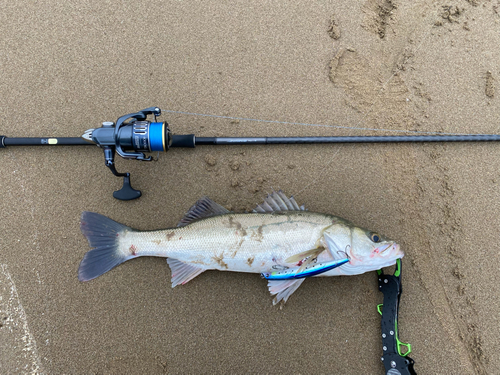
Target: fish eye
(375,237)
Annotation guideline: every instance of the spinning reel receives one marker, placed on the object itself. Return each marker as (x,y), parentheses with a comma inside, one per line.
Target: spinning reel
(130,137)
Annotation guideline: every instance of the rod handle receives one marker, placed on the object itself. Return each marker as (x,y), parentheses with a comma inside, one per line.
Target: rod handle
(187,140)
(2,138)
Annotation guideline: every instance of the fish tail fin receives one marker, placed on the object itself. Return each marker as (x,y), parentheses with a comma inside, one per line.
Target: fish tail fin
(102,234)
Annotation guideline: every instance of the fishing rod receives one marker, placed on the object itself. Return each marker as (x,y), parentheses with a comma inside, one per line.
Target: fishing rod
(133,134)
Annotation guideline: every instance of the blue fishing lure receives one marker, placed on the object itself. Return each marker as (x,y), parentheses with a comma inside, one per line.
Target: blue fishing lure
(292,273)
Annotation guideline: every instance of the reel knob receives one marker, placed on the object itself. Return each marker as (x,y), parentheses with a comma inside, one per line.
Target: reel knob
(127,192)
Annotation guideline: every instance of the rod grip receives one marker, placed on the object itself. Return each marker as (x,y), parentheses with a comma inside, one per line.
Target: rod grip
(2,138)
(187,140)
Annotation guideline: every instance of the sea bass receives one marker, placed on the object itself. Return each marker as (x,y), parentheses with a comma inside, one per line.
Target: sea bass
(278,239)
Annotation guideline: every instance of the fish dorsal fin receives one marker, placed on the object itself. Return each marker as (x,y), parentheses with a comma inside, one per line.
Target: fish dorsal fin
(203,208)
(278,201)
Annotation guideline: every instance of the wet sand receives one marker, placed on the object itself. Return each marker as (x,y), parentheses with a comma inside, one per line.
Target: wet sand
(427,66)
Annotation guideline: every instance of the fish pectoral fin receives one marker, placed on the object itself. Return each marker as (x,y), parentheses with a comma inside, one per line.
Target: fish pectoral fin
(310,254)
(182,272)
(283,289)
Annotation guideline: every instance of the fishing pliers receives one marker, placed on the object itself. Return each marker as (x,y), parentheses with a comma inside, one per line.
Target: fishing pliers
(396,362)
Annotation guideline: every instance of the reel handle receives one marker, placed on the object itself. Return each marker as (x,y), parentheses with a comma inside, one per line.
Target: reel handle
(127,192)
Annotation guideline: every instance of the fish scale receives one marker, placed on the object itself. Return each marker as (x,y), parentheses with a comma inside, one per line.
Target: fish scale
(228,242)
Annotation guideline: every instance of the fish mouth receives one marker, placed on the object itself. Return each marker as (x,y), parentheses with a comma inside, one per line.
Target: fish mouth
(397,250)
(391,248)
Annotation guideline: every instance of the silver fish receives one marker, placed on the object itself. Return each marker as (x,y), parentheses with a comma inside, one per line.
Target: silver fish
(278,235)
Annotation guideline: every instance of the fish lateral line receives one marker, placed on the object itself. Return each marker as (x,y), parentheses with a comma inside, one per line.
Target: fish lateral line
(294,273)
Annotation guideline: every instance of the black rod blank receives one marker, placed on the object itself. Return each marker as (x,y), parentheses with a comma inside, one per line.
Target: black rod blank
(192,141)
(347,139)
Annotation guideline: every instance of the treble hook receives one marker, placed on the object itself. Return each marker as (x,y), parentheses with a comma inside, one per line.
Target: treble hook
(347,247)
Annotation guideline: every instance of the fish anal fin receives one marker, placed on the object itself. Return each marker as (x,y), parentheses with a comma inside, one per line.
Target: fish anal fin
(182,272)
(203,208)
(283,289)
